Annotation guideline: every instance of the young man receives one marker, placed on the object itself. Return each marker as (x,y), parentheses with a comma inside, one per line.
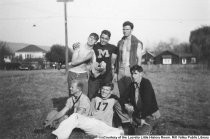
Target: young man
(78,102)
(140,100)
(130,53)
(99,122)
(81,62)
(105,57)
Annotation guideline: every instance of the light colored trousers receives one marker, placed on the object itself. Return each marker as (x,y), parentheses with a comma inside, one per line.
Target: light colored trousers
(90,125)
(55,123)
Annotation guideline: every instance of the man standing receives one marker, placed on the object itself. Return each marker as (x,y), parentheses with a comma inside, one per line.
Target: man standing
(78,103)
(80,64)
(140,100)
(99,122)
(130,53)
(105,57)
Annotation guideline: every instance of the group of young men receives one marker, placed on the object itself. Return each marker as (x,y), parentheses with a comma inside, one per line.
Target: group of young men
(104,79)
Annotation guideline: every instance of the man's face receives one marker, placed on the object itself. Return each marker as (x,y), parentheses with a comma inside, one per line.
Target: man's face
(91,40)
(106,91)
(127,31)
(74,89)
(136,76)
(104,39)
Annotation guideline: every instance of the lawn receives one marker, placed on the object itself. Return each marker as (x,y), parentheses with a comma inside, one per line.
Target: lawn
(182,94)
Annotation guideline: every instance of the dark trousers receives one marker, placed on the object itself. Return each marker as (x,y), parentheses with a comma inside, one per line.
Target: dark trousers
(94,84)
(124,80)
(146,129)
(130,129)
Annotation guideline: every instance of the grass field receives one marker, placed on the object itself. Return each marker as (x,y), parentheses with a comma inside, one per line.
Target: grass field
(182,93)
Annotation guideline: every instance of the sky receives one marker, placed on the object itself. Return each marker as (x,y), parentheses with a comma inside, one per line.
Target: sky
(41,22)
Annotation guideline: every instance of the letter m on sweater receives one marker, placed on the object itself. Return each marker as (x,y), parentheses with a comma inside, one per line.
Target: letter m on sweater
(104,53)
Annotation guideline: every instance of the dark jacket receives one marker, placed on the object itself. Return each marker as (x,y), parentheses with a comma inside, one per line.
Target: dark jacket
(148,99)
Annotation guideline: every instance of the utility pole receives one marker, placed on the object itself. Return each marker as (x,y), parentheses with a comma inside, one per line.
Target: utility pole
(66,32)
(66,37)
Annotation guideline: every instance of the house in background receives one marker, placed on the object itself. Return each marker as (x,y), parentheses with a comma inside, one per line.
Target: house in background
(30,51)
(187,58)
(148,58)
(166,58)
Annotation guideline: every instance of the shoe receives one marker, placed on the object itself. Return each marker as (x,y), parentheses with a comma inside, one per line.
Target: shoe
(128,129)
(39,130)
(43,130)
(52,136)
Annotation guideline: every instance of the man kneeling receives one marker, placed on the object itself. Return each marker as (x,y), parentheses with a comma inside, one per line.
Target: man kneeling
(99,122)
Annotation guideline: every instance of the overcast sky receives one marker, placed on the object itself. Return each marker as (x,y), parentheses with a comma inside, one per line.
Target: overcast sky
(41,22)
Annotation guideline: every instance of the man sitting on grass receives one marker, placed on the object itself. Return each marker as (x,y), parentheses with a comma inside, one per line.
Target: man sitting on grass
(78,102)
(99,122)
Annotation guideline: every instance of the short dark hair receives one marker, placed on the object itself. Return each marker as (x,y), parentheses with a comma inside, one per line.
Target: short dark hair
(95,35)
(128,23)
(110,84)
(136,68)
(79,83)
(106,32)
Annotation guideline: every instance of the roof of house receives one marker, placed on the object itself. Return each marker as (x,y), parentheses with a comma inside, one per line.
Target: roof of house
(152,54)
(167,52)
(31,48)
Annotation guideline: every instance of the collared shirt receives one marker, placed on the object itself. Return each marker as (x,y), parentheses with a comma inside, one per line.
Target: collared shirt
(83,103)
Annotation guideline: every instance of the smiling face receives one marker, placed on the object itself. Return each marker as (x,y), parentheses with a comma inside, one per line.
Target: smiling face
(127,30)
(104,39)
(106,91)
(91,40)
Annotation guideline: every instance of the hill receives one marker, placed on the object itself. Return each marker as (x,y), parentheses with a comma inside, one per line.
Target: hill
(16,46)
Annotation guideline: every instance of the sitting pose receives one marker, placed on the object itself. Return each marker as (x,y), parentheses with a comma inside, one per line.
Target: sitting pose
(99,121)
(140,100)
(78,102)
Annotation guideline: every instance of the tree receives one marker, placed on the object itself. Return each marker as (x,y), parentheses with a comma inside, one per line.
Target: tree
(4,51)
(182,48)
(172,45)
(162,46)
(57,54)
(200,43)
